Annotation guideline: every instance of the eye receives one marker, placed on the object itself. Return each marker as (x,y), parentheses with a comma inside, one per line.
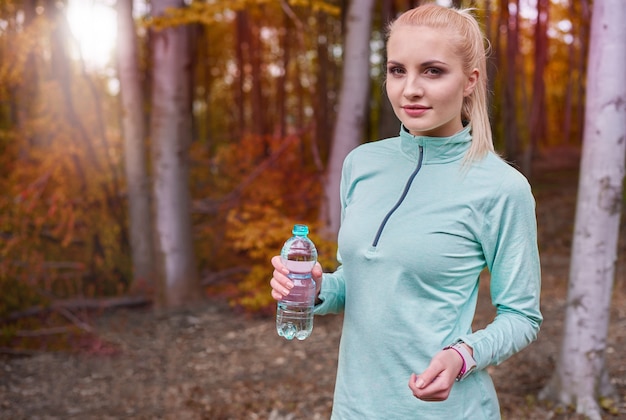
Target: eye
(433,71)
(395,70)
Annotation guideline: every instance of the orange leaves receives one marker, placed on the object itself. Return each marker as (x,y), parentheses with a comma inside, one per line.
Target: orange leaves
(318,5)
(257,230)
(22,44)
(268,184)
(210,13)
(61,218)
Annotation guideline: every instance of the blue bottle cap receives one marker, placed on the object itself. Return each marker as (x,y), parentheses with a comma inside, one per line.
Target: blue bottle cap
(300,230)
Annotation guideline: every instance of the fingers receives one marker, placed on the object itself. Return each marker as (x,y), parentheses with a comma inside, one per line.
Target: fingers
(278,264)
(280,283)
(435,383)
(427,377)
(280,289)
(436,390)
(317,272)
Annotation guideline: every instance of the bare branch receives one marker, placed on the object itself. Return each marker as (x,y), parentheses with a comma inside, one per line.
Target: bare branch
(216,277)
(74,319)
(80,303)
(44,331)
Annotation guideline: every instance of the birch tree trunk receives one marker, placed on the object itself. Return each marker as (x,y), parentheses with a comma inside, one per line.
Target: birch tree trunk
(353,99)
(134,131)
(581,377)
(170,129)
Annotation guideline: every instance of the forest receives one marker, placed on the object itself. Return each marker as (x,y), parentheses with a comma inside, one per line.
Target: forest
(141,178)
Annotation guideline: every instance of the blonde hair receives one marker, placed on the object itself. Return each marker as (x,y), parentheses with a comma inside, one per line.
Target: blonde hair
(469,44)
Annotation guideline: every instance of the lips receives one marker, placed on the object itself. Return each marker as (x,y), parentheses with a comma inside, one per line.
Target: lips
(415,110)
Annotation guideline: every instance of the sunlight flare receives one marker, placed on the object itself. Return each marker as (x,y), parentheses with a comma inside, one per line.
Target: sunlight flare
(94,26)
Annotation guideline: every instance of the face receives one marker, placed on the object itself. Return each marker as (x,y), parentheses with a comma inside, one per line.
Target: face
(425,81)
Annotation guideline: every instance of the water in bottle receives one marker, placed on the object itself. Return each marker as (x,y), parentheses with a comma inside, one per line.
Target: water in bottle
(294,314)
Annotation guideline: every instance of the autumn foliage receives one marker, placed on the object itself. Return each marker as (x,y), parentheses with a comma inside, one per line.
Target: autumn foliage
(265,83)
(261,187)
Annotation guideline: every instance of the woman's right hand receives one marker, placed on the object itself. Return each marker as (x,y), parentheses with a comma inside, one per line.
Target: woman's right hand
(280,283)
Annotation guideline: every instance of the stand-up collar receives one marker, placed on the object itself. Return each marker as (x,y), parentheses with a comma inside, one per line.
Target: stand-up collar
(436,149)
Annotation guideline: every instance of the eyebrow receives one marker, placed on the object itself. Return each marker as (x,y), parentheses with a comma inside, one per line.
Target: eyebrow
(433,62)
(424,64)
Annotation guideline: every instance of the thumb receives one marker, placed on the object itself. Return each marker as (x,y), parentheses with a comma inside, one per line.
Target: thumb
(317,272)
(426,377)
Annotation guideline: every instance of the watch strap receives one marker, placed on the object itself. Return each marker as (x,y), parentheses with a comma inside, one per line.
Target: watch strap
(468,361)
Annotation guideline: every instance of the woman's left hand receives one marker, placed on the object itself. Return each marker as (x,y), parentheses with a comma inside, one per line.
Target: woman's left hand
(435,383)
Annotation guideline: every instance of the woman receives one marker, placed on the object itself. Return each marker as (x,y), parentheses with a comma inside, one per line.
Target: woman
(422,215)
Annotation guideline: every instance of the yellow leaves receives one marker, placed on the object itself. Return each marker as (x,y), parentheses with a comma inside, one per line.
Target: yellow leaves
(16,295)
(609,405)
(257,229)
(318,6)
(208,13)
(58,203)
(66,226)
(22,45)
(273,189)
(197,12)
(255,290)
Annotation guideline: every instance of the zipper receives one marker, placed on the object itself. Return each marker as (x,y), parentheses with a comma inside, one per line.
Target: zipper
(407,187)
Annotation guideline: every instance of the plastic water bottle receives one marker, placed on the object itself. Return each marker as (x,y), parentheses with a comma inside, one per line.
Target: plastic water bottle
(294,314)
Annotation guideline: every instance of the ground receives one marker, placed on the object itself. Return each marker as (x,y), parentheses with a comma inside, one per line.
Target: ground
(209,362)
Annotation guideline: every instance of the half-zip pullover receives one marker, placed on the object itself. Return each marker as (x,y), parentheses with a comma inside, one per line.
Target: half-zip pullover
(418,227)
(402,197)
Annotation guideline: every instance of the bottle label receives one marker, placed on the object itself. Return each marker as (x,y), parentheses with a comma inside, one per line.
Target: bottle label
(299,266)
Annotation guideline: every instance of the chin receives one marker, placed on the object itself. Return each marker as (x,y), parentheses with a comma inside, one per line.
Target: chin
(419,131)
(430,131)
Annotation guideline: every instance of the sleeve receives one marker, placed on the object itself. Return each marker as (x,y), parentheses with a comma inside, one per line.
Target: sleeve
(509,241)
(333,291)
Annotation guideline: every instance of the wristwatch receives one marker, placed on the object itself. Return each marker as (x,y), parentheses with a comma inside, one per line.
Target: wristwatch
(469,364)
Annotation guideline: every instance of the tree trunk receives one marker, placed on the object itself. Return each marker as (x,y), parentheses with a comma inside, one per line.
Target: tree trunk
(388,123)
(583,31)
(352,105)
(492,60)
(323,105)
(62,72)
(581,376)
(281,86)
(242,46)
(569,87)
(538,107)
(510,131)
(256,76)
(25,94)
(170,129)
(134,131)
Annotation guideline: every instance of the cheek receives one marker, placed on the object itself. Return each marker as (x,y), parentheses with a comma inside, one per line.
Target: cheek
(392,91)
(453,97)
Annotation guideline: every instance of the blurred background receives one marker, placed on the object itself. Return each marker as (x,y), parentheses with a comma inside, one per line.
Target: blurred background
(156,154)
(253,103)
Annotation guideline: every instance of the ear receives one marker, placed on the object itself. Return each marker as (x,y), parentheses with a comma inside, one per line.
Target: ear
(471,82)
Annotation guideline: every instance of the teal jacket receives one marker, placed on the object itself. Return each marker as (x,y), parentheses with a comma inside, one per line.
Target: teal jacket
(418,227)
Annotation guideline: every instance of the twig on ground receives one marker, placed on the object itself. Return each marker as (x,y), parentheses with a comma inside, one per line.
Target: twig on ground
(80,303)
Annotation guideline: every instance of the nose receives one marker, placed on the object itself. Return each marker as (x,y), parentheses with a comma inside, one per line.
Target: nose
(413,88)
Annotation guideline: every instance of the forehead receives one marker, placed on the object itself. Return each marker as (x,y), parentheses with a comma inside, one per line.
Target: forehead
(420,42)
